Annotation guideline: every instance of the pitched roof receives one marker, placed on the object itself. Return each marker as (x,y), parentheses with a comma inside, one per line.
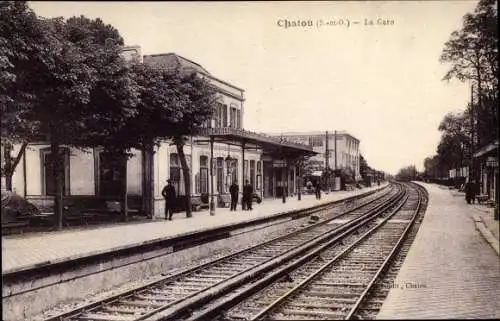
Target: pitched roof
(172,61)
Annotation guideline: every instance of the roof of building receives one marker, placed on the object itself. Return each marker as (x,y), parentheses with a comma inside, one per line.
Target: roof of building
(264,141)
(314,133)
(173,60)
(485,150)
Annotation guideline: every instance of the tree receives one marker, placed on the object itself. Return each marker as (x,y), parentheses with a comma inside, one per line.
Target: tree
(363,167)
(172,105)
(66,82)
(41,76)
(407,173)
(77,85)
(433,168)
(473,53)
(453,148)
(198,107)
(22,46)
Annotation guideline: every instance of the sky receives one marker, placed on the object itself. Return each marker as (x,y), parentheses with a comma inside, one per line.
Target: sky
(381,83)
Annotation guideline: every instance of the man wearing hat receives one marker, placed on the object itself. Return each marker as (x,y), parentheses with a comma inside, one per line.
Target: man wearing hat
(168,194)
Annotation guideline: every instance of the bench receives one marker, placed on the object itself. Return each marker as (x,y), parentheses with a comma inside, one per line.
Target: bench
(116,207)
(482,198)
(196,203)
(223,200)
(14,226)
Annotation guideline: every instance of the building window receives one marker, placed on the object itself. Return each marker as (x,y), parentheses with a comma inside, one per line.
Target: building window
(252,173)
(203,174)
(224,116)
(238,118)
(219,172)
(234,171)
(220,115)
(111,173)
(176,175)
(175,172)
(245,170)
(316,141)
(48,178)
(259,175)
(232,117)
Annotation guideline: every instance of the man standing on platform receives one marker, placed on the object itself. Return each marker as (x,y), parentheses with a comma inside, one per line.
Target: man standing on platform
(318,191)
(234,190)
(168,194)
(247,196)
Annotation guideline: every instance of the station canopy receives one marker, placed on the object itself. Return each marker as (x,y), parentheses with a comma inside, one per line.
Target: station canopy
(276,146)
(487,150)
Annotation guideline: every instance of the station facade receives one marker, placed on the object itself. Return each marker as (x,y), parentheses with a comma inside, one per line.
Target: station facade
(335,149)
(486,159)
(222,152)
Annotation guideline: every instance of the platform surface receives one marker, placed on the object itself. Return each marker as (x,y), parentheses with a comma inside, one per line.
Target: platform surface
(31,249)
(451,271)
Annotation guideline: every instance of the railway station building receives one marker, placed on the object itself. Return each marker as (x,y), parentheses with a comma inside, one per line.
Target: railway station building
(335,149)
(269,163)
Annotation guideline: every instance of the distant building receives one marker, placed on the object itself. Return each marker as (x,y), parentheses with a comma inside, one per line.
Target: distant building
(486,159)
(131,53)
(345,156)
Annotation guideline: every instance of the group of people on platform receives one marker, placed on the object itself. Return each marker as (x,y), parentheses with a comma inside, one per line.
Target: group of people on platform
(246,200)
(317,189)
(169,195)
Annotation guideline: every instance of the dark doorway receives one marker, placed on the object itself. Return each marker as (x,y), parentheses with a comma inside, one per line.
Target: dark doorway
(111,172)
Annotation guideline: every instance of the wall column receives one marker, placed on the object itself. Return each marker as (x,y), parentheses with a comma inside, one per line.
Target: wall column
(212,203)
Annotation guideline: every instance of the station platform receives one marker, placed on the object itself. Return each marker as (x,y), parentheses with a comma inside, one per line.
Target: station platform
(30,250)
(452,269)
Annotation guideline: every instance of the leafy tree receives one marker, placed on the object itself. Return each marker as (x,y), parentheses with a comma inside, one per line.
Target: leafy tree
(433,168)
(363,167)
(72,88)
(114,95)
(201,99)
(454,144)
(172,105)
(473,54)
(22,45)
(407,173)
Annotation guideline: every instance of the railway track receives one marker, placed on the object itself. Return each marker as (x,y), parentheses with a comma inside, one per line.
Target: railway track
(176,295)
(373,302)
(340,283)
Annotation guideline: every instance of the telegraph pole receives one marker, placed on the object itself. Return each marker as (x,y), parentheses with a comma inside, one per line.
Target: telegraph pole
(471,164)
(335,146)
(212,203)
(327,163)
(327,153)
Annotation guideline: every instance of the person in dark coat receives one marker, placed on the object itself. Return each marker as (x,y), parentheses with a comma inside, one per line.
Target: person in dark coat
(318,191)
(470,191)
(475,191)
(168,194)
(247,196)
(234,190)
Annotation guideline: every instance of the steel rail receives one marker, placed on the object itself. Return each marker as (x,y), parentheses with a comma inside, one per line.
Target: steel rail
(328,264)
(120,296)
(389,258)
(271,277)
(186,303)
